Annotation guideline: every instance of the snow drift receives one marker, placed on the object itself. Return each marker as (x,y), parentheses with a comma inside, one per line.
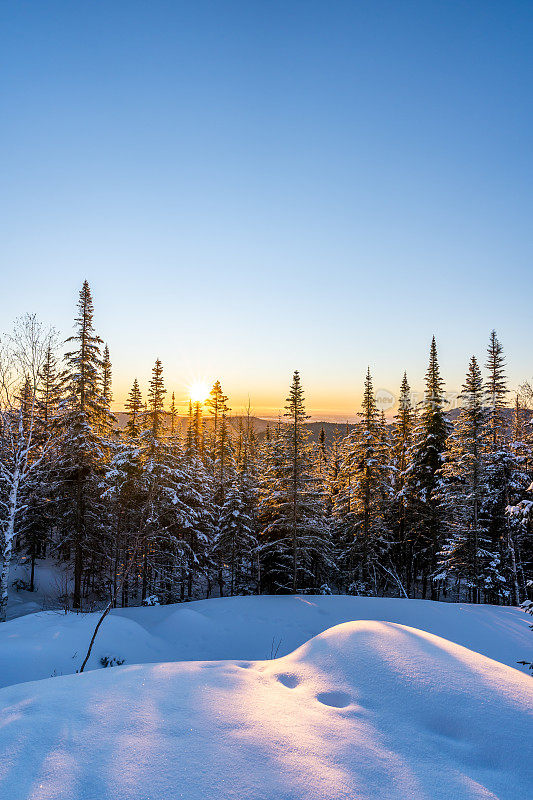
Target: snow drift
(368,710)
(252,628)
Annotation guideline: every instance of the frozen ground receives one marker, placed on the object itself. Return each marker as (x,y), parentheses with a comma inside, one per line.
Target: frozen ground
(51,643)
(391,700)
(366,710)
(51,580)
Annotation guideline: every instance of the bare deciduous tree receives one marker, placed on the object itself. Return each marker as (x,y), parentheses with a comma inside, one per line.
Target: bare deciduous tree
(22,449)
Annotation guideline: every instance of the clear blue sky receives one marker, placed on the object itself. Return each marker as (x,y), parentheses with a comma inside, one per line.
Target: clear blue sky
(253,187)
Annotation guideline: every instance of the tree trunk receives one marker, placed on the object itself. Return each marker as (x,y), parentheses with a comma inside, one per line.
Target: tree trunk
(8,546)
(32,573)
(144,578)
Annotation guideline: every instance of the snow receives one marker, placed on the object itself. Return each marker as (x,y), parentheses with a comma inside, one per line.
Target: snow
(368,710)
(51,580)
(52,643)
(370,699)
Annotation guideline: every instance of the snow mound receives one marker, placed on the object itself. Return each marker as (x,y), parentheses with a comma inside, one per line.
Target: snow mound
(367,710)
(246,628)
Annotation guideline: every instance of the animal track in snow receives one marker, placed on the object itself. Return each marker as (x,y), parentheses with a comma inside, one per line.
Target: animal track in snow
(334,699)
(288,680)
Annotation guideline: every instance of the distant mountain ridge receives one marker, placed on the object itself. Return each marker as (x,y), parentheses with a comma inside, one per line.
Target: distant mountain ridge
(259,425)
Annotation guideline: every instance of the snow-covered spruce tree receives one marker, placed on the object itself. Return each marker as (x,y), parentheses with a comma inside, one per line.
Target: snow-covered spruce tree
(219,459)
(423,478)
(235,540)
(125,495)
(274,554)
(522,449)
(341,507)
(362,499)
(154,458)
(320,456)
(332,470)
(331,486)
(506,479)
(190,448)
(217,405)
(221,446)
(199,534)
(84,450)
(108,420)
(24,444)
(520,510)
(134,408)
(103,574)
(496,392)
(51,384)
(402,555)
(197,495)
(295,541)
(521,521)
(155,416)
(197,429)
(247,460)
(467,557)
(249,465)
(179,528)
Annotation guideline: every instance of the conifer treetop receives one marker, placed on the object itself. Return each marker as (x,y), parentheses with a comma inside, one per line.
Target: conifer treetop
(156,394)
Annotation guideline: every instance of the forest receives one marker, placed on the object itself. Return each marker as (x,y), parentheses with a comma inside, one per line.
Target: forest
(164,509)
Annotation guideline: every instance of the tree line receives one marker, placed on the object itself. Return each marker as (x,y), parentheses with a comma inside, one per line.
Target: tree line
(418,507)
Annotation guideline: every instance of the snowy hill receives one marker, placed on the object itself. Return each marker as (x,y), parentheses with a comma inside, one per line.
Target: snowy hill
(367,710)
(51,643)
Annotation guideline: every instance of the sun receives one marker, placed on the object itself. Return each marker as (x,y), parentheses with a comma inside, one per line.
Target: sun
(198,392)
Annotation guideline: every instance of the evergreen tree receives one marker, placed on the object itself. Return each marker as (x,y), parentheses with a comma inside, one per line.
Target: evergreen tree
(296,548)
(222,450)
(467,554)
(173,415)
(107,392)
(156,405)
(134,408)
(403,432)
(235,541)
(190,448)
(217,406)
(332,471)
(496,392)
(361,502)
(51,385)
(84,450)
(505,478)
(179,519)
(125,495)
(424,477)
(199,535)
(321,456)
(219,456)
(198,429)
